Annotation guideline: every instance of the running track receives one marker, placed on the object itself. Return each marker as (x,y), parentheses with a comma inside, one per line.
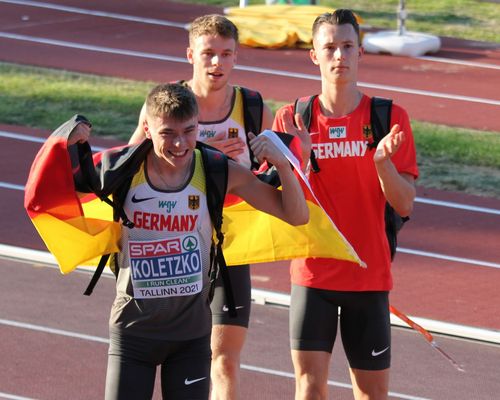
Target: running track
(448,262)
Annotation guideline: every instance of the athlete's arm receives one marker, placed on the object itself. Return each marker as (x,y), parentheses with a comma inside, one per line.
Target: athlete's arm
(267,118)
(287,204)
(399,189)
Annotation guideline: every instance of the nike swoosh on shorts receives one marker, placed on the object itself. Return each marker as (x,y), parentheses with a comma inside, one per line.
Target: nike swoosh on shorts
(377,353)
(226,308)
(191,381)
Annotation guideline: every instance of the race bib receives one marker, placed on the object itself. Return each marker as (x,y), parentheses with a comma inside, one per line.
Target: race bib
(166,268)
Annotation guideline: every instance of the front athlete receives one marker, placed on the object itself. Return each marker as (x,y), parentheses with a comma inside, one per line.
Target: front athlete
(161,313)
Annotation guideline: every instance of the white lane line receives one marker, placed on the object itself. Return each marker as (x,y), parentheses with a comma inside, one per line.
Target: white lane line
(449,258)
(459,206)
(449,204)
(154,21)
(267,71)
(20,136)
(101,49)
(254,368)
(459,62)
(12,186)
(53,331)
(77,10)
(14,396)
(35,139)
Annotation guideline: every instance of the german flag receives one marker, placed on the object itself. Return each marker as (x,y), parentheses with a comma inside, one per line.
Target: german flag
(57,210)
(79,228)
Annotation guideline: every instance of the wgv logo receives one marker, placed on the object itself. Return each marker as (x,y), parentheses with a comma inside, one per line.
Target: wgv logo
(207,133)
(337,132)
(168,205)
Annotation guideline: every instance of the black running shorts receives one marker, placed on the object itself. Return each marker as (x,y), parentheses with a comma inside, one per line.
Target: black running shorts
(365,325)
(132,362)
(240,282)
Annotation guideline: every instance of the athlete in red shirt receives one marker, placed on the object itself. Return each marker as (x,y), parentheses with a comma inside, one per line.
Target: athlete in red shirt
(353,185)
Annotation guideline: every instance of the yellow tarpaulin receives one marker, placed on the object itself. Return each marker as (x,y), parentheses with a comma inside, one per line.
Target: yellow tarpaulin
(276,26)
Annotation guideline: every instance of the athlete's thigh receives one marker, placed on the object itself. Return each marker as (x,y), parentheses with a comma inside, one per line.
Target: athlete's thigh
(241,286)
(131,368)
(185,373)
(313,319)
(365,327)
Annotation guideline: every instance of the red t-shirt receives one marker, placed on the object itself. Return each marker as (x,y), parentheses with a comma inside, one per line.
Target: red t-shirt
(349,190)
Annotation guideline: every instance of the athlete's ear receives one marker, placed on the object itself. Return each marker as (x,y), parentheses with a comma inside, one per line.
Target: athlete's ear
(189,55)
(361,51)
(312,55)
(146,128)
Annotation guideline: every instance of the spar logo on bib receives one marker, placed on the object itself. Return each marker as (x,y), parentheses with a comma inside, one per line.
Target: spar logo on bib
(189,243)
(337,132)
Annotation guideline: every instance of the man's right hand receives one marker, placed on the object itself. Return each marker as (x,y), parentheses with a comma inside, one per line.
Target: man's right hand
(231,147)
(79,134)
(294,125)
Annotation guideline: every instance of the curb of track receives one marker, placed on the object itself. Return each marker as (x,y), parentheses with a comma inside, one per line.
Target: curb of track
(266,297)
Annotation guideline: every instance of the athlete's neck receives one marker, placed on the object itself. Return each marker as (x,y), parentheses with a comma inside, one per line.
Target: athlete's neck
(165,176)
(213,105)
(338,102)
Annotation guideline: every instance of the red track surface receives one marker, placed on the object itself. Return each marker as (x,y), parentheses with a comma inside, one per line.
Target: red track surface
(446,290)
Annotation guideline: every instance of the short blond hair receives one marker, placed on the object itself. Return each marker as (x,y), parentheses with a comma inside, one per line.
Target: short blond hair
(171,100)
(212,24)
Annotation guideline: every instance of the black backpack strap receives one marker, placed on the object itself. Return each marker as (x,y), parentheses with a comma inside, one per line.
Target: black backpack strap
(216,174)
(393,224)
(303,106)
(96,275)
(380,119)
(253,107)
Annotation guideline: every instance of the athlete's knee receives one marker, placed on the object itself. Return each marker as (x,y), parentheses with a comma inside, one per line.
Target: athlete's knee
(370,385)
(374,392)
(225,365)
(308,386)
(311,374)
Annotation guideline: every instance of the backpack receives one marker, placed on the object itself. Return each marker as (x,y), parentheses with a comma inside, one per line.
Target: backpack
(380,119)
(215,166)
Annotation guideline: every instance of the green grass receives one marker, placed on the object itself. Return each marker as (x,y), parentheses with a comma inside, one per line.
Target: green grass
(466,19)
(458,159)
(43,98)
(449,158)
